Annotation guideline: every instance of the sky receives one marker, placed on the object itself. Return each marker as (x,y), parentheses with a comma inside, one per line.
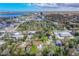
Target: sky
(17,7)
(38,7)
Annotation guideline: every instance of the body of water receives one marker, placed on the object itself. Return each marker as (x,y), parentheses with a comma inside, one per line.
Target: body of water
(12,7)
(10,15)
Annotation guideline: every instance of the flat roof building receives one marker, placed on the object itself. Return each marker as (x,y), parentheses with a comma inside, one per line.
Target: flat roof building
(2,42)
(63,34)
(17,35)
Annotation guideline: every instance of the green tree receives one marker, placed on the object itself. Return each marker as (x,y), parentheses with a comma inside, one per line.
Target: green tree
(21,52)
(44,38)
(33,50)
(45,50)
(57,51)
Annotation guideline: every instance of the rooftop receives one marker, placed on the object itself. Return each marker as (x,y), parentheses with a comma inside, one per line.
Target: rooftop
(63,34)
(2,42)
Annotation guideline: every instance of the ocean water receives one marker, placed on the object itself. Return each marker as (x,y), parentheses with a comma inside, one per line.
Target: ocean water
(4,7)
(10,15)
(14,7)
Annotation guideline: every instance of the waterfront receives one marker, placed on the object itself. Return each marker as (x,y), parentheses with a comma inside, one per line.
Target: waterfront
(9,15)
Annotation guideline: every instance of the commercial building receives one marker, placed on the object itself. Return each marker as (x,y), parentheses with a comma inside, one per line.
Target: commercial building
(63,34)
